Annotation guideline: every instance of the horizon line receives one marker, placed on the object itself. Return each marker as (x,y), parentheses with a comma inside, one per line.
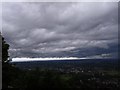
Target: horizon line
(23,59)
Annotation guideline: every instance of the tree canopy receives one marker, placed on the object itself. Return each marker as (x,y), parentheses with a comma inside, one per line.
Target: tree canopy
(5,48)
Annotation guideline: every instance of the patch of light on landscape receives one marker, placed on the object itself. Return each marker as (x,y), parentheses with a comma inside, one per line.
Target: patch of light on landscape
(44,59)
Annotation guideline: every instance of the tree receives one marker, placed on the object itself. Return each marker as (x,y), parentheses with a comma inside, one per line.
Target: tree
(9,72)
(5,64)
(5,48)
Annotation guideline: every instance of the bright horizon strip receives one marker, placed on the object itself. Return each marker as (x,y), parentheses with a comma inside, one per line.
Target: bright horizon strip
(44,59)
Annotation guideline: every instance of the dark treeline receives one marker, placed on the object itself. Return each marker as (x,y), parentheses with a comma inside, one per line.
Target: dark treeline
(23,79)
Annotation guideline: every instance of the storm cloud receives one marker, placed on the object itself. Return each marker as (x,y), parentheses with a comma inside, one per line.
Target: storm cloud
(58,28)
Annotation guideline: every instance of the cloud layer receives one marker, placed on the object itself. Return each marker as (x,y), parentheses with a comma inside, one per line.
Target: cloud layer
(44,29)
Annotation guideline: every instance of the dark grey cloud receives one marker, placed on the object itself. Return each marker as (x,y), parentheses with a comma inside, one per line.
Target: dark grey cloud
(47,29)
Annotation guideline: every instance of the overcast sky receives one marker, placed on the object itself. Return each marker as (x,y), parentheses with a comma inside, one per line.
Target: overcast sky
(60,29)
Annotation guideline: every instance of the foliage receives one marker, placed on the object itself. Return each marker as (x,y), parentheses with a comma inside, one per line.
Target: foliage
(9,72)
(53,79)
(5,48)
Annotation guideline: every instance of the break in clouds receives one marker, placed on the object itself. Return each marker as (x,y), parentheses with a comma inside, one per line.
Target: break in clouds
(60,29)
